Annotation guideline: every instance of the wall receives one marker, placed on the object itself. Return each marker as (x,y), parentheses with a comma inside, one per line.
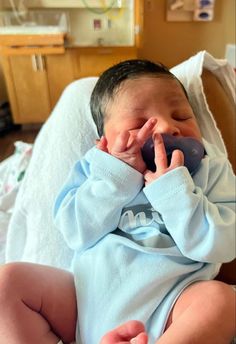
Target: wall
(173,42)
(114,27)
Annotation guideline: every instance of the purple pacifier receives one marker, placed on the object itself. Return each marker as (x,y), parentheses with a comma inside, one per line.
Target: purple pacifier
(192,148)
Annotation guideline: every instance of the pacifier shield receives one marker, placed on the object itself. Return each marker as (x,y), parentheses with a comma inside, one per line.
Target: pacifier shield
(192,148)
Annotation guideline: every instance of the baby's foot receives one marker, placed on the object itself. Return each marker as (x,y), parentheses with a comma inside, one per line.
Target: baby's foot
(131,332)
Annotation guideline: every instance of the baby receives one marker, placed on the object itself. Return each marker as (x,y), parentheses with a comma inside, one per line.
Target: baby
(147,244)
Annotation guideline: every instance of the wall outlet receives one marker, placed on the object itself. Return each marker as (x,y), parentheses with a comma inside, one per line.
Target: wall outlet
(203,14)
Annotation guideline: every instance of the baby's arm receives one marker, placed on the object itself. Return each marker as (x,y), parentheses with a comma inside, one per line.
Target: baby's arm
(199,214)
(90,203)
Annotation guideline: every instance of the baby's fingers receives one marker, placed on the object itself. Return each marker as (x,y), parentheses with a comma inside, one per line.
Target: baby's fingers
(121,142)
(177,159)
(160,153)
(146,131)
(149,176)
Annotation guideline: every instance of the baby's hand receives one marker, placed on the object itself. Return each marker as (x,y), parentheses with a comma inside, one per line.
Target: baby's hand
(161,162)
(127,146)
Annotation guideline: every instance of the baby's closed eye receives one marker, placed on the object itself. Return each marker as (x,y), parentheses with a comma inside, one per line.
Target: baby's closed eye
(182,116)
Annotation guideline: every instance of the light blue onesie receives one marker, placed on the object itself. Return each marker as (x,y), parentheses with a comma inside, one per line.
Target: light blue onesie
(136,248)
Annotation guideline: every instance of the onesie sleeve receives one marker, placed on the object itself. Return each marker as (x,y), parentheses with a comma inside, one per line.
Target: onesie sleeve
(89,204)
(198,212)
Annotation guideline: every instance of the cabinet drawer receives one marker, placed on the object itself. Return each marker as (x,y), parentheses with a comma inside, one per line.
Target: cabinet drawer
(93,63)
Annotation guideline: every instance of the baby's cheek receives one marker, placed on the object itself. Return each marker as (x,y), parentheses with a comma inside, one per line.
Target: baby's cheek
(192,131)
(110,142)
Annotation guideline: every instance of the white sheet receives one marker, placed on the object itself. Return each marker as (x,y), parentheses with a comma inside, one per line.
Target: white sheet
(67,134)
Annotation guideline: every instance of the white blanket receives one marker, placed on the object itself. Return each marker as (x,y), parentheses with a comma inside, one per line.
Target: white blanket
(65,137)
(12,171)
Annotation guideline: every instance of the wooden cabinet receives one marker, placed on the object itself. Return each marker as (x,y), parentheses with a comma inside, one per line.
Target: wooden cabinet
(35,83)
(60,73)
(30,90)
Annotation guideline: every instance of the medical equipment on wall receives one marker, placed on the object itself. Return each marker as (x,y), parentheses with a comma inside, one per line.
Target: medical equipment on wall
(20,10)
(190,10)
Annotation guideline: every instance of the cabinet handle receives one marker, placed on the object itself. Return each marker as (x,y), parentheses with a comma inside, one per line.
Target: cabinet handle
(38,63)
(41,62)
(34,63)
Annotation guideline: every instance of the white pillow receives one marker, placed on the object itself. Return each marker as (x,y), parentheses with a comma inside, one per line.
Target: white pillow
(65,137)
(189,73)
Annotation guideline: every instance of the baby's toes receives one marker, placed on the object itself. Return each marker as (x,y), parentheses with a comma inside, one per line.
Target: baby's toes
(142,338)
(125,333)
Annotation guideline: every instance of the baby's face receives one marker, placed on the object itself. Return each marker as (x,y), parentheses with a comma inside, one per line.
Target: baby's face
(146,97)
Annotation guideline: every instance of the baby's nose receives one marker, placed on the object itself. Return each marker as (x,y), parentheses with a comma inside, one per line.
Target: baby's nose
(166,127)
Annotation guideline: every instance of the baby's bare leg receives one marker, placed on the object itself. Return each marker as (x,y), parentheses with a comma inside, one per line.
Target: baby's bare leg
(204,313)
(37,304)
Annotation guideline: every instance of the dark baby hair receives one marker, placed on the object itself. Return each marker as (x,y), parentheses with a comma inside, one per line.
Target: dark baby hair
(111,79)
